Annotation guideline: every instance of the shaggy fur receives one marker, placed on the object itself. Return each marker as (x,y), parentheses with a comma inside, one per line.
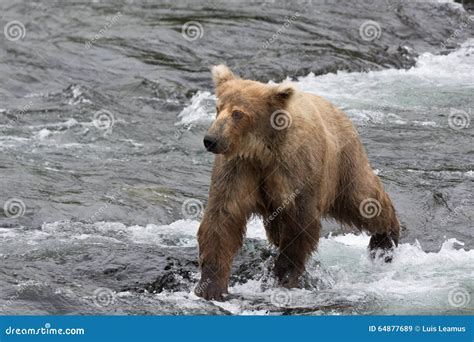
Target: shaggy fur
(314,168)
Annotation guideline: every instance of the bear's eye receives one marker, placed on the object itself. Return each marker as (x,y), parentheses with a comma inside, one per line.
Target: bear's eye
(237,115)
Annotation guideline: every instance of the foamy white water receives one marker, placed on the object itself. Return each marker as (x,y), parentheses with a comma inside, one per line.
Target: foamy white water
(424,282)
(415,282)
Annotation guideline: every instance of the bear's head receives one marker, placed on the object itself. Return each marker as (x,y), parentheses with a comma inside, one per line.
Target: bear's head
(250,114)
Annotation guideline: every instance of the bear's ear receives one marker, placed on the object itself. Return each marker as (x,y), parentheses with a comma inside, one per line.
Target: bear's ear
(283,91)
(221,74)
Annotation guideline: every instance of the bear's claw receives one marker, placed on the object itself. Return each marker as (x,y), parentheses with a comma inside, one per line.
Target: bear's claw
(210,290)
(383,246)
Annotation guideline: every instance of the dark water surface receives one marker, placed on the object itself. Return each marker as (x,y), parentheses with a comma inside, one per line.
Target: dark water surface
(103,106)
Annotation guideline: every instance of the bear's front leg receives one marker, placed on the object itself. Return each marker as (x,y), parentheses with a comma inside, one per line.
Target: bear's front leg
(219,238)
(298,239)
(232,199)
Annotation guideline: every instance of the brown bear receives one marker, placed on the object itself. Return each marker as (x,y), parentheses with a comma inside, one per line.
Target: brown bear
(292,158)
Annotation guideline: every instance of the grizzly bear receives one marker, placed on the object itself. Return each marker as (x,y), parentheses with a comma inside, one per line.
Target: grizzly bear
(291,158)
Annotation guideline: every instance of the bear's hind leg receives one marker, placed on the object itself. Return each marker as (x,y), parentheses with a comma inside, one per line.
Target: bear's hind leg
(377,216)
(370,209)
(383,245)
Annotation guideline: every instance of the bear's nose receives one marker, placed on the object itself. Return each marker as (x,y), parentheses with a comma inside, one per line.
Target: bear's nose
(210,143)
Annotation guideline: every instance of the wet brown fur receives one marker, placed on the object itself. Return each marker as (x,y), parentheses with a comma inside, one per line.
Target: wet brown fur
(259,168)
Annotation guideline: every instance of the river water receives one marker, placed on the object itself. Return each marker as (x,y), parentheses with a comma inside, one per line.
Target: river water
(103,106)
